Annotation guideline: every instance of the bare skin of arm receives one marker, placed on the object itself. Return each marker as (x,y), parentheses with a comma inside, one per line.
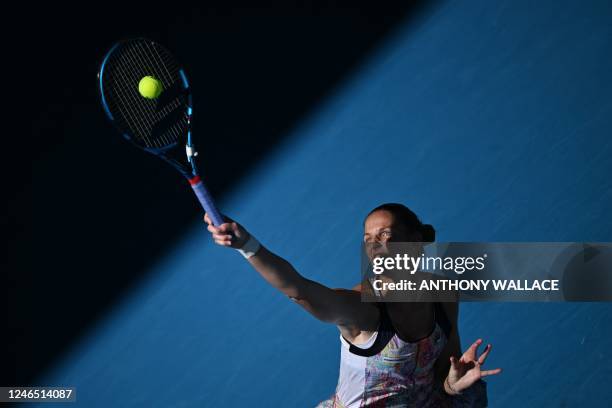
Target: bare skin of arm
(337,306)
(356,320)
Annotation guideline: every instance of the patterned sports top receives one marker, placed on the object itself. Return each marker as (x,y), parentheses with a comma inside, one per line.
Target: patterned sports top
(387,371)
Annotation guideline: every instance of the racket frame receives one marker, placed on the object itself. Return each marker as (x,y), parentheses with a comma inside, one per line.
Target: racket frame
(190,171)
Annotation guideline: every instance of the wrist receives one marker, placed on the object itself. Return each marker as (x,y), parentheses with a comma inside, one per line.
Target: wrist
(250,247)
(450,390)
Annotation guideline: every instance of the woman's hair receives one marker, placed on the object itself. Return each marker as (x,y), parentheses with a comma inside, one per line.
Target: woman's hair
(404,216)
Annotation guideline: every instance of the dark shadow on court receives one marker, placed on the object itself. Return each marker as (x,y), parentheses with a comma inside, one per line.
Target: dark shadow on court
(97,213)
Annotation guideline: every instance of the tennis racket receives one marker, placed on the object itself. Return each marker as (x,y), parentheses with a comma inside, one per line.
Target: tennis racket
(145,93)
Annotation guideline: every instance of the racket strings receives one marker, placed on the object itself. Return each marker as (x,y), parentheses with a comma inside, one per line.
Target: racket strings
(168,68)
(125,68)
(132,62)
(166,79)
(133,111)
(162,64)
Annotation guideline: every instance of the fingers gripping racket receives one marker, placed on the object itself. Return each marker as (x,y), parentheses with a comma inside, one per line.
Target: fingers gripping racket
(145,93)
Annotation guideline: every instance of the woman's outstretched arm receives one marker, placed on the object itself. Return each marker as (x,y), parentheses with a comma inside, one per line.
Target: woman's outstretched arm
(340,307)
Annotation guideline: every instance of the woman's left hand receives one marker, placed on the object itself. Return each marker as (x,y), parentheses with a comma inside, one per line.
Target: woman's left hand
(467,370)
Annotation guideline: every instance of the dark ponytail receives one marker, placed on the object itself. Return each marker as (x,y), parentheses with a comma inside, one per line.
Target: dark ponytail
(406,217)
(428,233)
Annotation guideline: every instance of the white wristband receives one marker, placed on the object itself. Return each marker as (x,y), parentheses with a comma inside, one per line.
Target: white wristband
(250,247)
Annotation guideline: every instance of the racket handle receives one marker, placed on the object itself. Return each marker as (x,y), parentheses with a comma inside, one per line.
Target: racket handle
(206,200)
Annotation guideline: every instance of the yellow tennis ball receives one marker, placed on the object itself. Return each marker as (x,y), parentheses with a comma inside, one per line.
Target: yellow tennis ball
(150,87)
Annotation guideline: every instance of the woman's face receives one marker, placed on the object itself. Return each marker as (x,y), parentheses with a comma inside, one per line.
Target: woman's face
(380,227)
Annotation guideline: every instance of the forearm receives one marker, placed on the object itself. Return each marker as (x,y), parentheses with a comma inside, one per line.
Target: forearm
(278,272)
(473,397)
(340,307)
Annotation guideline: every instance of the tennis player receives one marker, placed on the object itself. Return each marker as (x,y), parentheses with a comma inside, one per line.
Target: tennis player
(392,354)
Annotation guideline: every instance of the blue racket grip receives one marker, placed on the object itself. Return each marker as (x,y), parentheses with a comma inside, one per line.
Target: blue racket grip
(206,200)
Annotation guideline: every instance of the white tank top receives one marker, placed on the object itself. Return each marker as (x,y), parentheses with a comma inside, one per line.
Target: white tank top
(387,370)
(351,381)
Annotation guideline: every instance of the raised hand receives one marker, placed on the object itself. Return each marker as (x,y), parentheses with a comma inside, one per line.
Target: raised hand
(466,370)
(229,234)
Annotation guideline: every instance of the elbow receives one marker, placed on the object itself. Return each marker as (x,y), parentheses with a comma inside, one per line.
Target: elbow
(317,313)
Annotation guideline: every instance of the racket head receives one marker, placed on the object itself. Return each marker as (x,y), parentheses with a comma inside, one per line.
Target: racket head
(156,124)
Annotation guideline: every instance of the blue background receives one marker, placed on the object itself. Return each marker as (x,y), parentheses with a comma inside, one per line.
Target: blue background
(491,120)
